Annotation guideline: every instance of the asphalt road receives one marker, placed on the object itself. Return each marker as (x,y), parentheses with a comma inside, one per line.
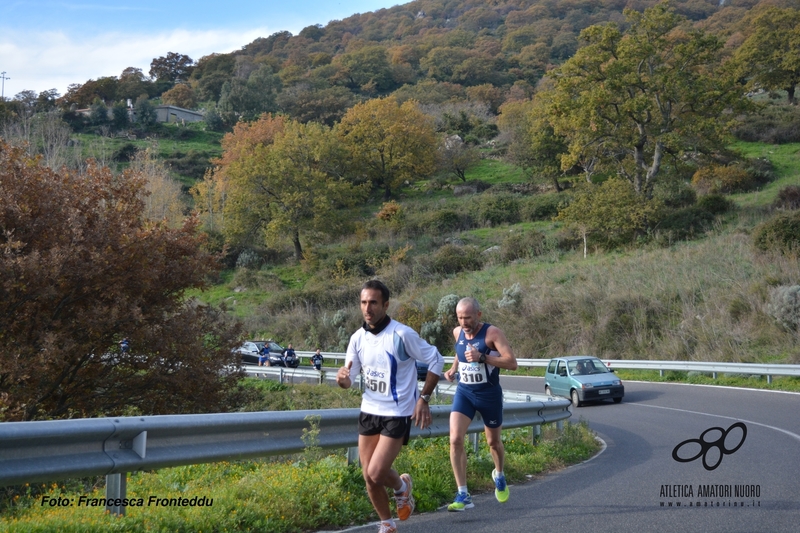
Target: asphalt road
(635,484)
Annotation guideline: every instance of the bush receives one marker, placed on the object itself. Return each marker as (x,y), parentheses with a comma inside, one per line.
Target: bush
(498,209)
(788,198)
(775,124)
(124,153)
(683,224)
(541,207)
(715,179)
(522,245)
(450,259)
(784,306)
(780,234)
(674,194)
(439,222)
(715,204)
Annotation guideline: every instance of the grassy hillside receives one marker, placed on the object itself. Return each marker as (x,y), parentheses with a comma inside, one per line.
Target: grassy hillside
(702,299)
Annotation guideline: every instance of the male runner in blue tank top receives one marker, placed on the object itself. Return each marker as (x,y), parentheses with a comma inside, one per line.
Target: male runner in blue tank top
(481,351)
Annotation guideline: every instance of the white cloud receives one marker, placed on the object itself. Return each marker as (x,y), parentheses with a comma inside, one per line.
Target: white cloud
(47,60)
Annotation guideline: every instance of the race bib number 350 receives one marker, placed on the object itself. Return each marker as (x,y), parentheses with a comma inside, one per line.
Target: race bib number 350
(471,373)
(377,380)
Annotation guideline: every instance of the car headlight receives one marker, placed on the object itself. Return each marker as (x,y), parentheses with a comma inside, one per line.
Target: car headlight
(617,382)
(587,385)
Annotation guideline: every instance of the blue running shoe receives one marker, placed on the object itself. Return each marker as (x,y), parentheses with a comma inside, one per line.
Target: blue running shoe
(463,501)
(501,487)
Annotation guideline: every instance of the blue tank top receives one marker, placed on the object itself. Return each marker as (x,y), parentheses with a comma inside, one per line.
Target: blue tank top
(491,373)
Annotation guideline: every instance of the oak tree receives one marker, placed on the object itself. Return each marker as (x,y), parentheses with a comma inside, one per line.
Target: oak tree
(389,143)
(629,99)
(770,56)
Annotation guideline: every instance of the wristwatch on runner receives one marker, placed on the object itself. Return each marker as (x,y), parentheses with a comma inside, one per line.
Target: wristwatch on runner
(482,358)
(426,398)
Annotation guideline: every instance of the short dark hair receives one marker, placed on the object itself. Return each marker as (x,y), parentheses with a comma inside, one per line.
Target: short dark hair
(377,285)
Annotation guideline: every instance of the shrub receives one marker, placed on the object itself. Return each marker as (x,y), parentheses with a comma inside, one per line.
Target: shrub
(784,306)
(437,222)
(498,209)
(124,153)
(674,194)
(788,198)
(683,224)
(541,207)
(781,234)
(446,310)
(522,244)
(450,259)
(715,179)
(249,258)
(715,204)
(775,124)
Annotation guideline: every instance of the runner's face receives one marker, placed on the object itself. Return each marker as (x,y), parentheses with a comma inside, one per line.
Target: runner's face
(373,307)
(468,319)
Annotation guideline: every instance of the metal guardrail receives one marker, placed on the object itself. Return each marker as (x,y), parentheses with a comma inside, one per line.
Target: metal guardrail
(751,369)
(44,451)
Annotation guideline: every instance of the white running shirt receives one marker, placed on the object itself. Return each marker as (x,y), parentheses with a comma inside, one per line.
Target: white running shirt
(390,374)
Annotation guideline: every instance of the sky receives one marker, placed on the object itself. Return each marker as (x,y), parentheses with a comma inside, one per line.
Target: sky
(50,44)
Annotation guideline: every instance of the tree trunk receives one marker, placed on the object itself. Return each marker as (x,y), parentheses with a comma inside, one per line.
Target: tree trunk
(298,250)
(790,94)
(557,184)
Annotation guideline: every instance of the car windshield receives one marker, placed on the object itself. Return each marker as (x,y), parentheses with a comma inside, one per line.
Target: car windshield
(586,367)
(275,347)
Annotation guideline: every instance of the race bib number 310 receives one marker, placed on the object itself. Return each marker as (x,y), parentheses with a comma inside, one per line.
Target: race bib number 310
(471,373)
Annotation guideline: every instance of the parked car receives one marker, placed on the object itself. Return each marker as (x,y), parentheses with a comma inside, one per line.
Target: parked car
(422,371)
(582,378)
(250,351)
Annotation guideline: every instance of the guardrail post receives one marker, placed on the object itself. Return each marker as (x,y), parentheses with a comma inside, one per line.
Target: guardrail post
(536,434)
(116,488)
(352,455)
(321,377)
(713,375)
(473,438)
(769,378)
(560,425)
(280,379)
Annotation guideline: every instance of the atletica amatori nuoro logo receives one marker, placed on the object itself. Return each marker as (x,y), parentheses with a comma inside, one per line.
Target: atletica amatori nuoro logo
(706,446)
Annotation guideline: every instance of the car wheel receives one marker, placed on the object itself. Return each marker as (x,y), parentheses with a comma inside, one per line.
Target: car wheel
(576,401)
(617,400)
(548,391)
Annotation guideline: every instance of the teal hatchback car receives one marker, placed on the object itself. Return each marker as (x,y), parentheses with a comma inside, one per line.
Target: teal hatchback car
(582,378)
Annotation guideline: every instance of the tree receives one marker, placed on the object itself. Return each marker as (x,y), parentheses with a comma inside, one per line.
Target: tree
(389,143)
(247,99)
(81,269)
(612,210)
(98,113)
(456,157)
(287,188)
(181,96)
(172,67)
(211,194)
(770,56)
(144,111)
(629,99)
(532,142)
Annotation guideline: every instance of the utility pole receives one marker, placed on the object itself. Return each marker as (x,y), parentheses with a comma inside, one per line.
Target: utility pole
(3,90)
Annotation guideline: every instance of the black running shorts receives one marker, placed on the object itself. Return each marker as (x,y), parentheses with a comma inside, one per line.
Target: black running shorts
(396,427)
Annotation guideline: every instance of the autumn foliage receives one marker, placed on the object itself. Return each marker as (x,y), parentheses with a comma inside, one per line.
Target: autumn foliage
(80,269)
